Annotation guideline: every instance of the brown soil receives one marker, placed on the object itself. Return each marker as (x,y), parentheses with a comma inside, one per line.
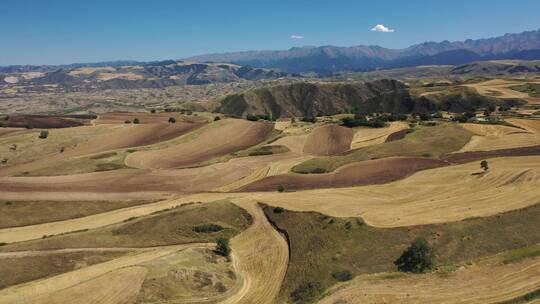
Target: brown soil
(229,136)
(45,122)
(329,140)
(397,135)
(364,173)
(144,118)
(465,157)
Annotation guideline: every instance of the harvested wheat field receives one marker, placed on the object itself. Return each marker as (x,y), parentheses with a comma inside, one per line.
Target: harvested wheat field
(494,137)
(482,282)
(364,137)
(369,172)
(32,153)
(431,196)
(501,88)
(219,139)
(328,140)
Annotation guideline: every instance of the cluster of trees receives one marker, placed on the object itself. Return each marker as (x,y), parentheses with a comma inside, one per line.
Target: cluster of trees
(417,258)
(257,117)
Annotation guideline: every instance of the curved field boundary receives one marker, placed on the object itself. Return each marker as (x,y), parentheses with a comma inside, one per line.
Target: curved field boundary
(378,171)
(25,233)
(439,195)
(503,88)
(74,283)
(369,172)
(464,157)
(364,137)
(231,135)
(328,140)
(493,137)
(109,138)
(471,284)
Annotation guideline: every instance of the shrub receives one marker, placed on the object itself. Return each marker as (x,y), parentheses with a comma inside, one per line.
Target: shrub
(136,121)
(348,225)
(310,119)
(278,210)
(43,134)
(280,188)
(418,258)
(127,121)
(484,165)
(217,118)
(293,120)
(360,221)
(207,228)
(342,276)
(223,247)
(307,293)
(153,111)
(172,120)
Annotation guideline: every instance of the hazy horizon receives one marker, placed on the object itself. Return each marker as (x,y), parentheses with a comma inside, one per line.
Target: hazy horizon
(62,32)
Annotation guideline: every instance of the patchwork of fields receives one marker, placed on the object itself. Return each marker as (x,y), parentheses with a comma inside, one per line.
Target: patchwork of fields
(133,208)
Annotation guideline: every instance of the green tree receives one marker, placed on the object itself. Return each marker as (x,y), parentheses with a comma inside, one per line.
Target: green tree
(280,188)
(172,120)
(418,258)
(484,165)
(43,134)
(136,121)
(217,118)
(223,247)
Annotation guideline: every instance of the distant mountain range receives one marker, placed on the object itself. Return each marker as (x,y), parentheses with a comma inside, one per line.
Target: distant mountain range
(325,60)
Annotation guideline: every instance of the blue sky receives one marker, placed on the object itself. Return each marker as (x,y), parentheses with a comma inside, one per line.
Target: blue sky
(67,31)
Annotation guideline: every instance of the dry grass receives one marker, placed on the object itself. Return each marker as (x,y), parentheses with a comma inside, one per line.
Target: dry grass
(494,137)
(18,270)
(227,136)
(431,196)
(321,245)
(163,228)
(425,141)
(23,213)
(115,281)
(484,282)
(502,87)
(364,137)
(260,256)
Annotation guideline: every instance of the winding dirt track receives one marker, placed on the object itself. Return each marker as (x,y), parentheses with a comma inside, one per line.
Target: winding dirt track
(474,284)
(224,137)
(260,255)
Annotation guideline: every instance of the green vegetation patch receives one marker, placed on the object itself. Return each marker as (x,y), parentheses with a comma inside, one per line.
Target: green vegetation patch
(433,141)
(533,89)
(170,227)
(268,150)
(518,255)
(321,246)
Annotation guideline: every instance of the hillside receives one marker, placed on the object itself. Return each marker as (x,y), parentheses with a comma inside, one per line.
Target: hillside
(319,99)
(132,76)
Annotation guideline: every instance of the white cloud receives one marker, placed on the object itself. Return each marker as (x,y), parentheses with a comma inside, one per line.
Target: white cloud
(297,37)
(382,29)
